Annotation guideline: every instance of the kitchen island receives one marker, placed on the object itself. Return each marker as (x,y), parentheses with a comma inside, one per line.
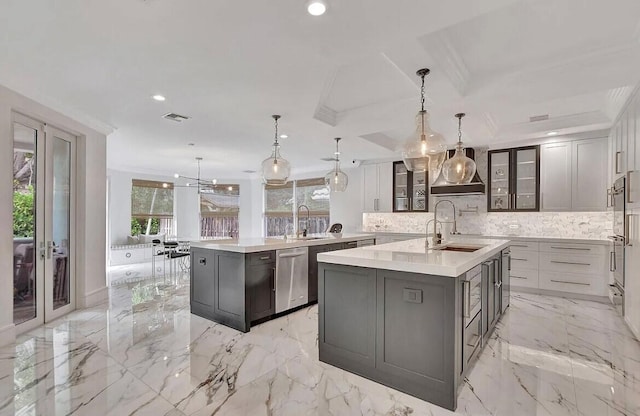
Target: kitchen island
(410,317)
(243,282)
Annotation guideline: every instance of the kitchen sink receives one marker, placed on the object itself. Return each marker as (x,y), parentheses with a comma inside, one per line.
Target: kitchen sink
(459,248)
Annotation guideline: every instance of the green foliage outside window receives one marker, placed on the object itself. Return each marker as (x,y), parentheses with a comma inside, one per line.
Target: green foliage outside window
(139,226)
(23,210)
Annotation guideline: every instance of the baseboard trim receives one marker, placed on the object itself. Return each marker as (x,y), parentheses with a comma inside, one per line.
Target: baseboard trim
(568,295)
(94,298)
(7,334)
(633,329)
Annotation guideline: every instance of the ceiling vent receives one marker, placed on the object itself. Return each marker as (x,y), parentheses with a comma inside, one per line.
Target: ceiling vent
(543,117)
(175,117)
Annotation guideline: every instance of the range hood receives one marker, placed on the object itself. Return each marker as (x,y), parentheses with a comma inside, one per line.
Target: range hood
(475,187)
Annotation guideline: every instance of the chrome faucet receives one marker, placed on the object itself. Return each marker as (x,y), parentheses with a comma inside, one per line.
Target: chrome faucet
(454,228)
(436,239)
(304,232)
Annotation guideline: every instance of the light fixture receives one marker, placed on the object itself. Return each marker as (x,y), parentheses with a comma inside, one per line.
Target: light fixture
(459,168)
(316,8)
(425,149)
(159,97)
(199,183)
(230,188)
(552,133)
(336,179)
(284,136)
(275,169)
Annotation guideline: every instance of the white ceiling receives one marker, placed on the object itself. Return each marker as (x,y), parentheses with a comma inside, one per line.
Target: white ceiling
(351,73)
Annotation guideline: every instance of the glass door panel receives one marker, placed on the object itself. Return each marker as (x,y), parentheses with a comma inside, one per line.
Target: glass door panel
(58,228)
(401,191)
(26,226)
(526,179)
(419,200)
(500,195)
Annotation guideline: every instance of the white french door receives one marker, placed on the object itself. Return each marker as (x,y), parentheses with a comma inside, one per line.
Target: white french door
(44,218)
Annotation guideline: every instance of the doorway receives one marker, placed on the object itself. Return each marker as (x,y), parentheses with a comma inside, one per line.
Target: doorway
(43,225)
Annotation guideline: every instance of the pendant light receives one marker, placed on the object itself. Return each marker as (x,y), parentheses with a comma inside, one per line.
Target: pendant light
(425,149)
(336,180)
(459,168)
(275,169)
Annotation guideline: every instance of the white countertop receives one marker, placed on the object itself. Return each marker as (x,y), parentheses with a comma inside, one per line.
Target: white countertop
(581,240)
(252,245)
(412,256)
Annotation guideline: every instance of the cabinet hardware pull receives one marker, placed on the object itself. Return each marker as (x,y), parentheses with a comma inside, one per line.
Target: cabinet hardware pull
(609,197)
(519,245)
(571,283)
(571,248)
(628,186)
(265,257)
(273,278)
(515,258)
(570,262)
(518,277)
(612,261)
(203,261)
(618,162)
(467,298)
(627,226)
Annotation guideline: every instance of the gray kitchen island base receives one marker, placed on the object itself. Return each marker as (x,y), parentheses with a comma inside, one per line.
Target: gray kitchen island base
(400,329)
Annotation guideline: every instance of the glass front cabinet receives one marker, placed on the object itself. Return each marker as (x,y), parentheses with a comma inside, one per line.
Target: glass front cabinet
(514,176)
(410,189)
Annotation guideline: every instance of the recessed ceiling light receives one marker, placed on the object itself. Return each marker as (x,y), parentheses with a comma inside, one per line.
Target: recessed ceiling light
(176,175)
(552,133)
(159,97)
(230,188)
(284,136)
(316,8)
(215,181)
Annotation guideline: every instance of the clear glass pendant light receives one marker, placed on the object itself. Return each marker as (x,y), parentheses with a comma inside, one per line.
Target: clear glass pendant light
(336,179)
(459,168)
(275,169)
(425,149)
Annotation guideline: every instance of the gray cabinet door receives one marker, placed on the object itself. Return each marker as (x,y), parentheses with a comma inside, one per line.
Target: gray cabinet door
(415,338)
(261,289)
(347,317)
(202,277)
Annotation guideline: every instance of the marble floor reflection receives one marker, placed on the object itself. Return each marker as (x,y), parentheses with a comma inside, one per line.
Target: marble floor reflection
(143,353)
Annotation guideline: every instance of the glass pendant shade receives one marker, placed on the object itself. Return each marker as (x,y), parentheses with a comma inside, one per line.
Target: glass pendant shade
(425,149)
(459,169)
(336,179)
(275,169)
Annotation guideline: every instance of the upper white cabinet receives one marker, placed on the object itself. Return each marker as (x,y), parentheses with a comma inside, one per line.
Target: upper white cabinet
(555,176)
(377,187)
(625,150)
(573,175)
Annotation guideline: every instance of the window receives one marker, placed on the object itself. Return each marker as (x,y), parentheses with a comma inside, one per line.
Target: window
(219,209)
(281,211)
(151,207)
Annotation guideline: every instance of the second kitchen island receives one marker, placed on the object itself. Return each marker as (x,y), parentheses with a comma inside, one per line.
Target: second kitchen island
(243,282)
(410,317)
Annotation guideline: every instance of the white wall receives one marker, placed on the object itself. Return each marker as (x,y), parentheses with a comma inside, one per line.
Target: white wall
(90,205)
(186,206)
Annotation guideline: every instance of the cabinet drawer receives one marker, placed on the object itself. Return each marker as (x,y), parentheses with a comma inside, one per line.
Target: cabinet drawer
(524,277)
(524,245)
(570,249)
(573,282)
(572,263)
(521,259)
(262,257)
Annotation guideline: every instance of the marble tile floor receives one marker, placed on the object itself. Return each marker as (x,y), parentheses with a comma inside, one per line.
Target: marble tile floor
(143,353)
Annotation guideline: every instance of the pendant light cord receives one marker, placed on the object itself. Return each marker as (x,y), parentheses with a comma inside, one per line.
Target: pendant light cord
(459,117)
(422,94)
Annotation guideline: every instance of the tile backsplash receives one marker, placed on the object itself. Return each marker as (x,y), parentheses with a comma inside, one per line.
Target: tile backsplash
(595,225)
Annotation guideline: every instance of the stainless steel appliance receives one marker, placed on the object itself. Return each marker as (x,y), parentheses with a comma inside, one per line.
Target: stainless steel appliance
(620,238)
(292,278)
(505,278)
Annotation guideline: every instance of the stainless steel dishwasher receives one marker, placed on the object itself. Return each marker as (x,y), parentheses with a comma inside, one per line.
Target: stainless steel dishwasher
(292,278)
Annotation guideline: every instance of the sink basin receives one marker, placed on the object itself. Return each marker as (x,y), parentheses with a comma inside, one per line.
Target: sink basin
(459,248)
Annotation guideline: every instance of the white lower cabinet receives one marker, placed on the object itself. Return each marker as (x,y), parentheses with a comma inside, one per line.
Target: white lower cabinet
(577,268)
(632,273)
